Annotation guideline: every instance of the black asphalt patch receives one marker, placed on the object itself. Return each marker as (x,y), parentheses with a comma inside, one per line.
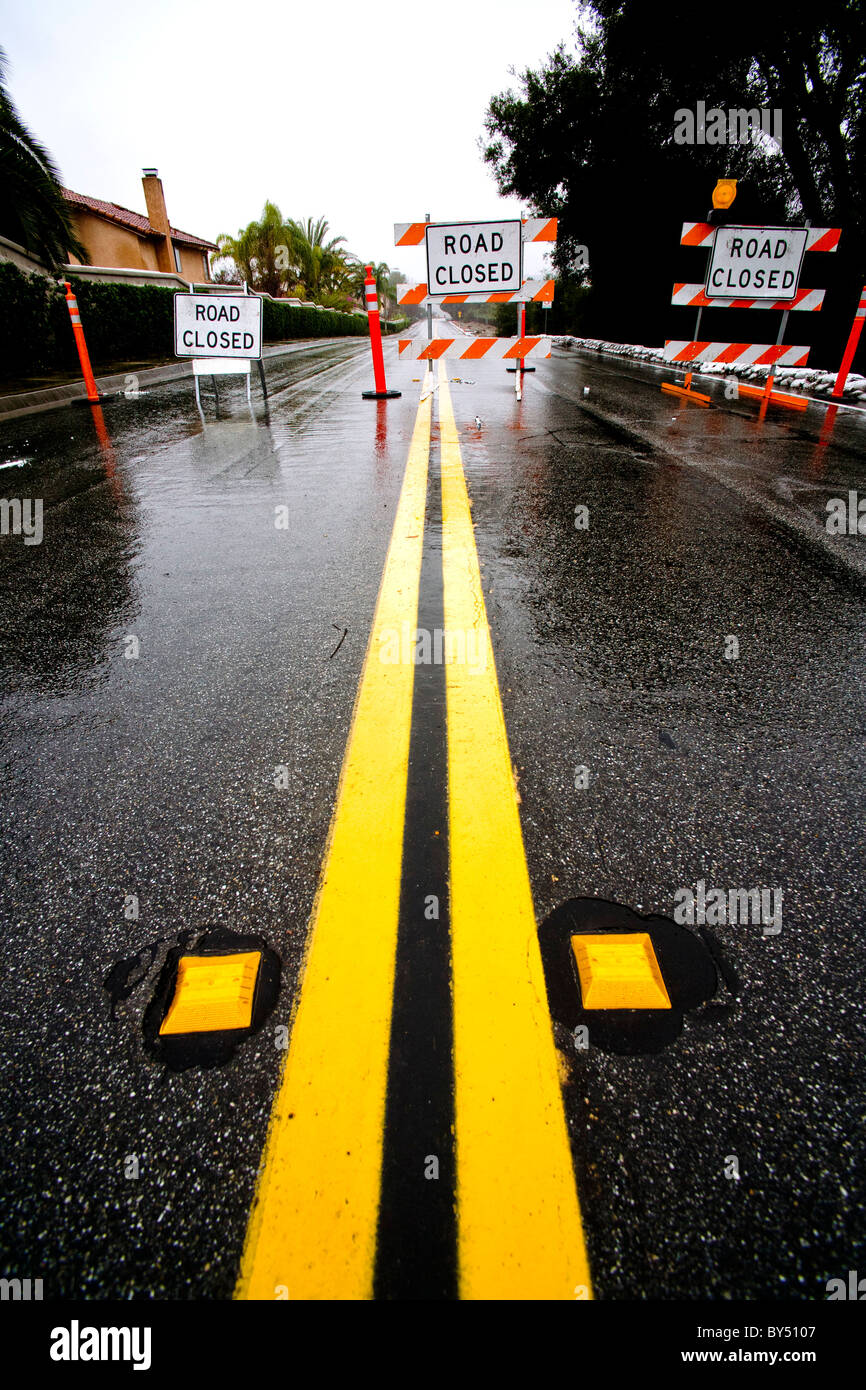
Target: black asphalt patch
(180,1051)
(687,967)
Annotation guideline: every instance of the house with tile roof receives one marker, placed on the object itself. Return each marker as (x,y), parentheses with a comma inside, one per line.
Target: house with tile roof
(117,237)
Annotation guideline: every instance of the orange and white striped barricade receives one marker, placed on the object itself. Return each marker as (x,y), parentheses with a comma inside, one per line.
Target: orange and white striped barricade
(695,296)
(533,291)
(851,345)
(468,349)
(770,355)
(743,354)
(705,234)
(532,229)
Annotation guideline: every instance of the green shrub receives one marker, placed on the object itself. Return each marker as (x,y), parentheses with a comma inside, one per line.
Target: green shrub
(282,321)
(122,323)
(28,341)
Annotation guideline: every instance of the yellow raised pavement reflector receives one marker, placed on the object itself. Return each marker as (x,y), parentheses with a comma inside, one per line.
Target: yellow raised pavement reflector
(213,993)
(619,972)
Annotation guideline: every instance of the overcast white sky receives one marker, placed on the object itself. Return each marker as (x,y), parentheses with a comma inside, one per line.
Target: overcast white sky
(365,113)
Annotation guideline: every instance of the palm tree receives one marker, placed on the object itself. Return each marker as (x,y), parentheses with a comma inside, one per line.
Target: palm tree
(264,252)
(322,265)
(386,293)
(33,211)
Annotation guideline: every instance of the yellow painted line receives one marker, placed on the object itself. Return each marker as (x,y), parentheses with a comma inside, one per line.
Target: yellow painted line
(519,1228)
(312,1231)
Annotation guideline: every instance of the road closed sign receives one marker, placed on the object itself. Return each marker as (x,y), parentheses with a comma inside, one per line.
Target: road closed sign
(217,325)
(464,256)
(756,262)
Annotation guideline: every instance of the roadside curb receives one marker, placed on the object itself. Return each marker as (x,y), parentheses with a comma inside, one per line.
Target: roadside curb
(50,397)
(802,380)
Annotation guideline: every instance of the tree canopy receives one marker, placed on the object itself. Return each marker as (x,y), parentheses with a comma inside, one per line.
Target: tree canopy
(281,256)
(33,211)
(589,137)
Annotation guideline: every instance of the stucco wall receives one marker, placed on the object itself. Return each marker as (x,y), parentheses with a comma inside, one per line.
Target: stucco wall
(109,244)
(192,266)
(11,251)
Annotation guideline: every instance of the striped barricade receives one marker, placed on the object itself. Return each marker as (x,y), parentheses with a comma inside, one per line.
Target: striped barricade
(533,291)
(702,233)
(743,354)
(696,297)
(534,229)
(471,349)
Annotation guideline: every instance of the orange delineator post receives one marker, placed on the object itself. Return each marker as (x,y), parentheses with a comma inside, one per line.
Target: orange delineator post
(851,346)
(84,356)
(381,392)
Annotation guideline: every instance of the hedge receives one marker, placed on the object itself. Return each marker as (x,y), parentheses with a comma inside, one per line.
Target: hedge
(28,341)
(122,322)
(288,321)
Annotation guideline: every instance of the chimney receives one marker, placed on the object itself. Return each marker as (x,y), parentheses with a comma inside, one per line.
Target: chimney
(157,216)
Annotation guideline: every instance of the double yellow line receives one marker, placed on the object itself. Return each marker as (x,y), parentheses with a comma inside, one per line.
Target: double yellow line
(312,1231)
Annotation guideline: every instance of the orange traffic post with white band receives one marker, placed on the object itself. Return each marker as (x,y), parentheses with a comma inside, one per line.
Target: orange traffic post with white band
(381,392)
(83,354)
(851,346)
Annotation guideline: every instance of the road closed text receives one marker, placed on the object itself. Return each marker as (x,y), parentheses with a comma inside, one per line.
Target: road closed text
(218,325)
(756,262)
(474,255)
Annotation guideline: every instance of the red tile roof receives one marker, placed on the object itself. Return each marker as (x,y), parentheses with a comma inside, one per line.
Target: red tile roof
(135,221)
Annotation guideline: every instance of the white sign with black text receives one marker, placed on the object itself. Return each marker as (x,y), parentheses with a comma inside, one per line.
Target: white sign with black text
(756,262)
(464,256)
(217,325)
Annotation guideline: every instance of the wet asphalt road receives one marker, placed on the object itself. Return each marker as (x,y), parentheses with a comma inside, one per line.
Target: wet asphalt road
(153,776)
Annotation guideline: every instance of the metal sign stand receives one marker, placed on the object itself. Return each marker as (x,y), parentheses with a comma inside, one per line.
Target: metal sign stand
(767,394)
(686,390)
(225,366)
(429,323)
